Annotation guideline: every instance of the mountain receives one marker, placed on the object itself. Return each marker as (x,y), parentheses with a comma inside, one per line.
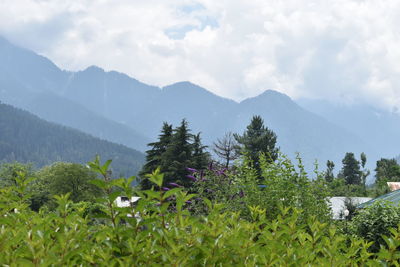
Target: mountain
(299,130)
(34,83)
(380,128)
(26,138)
(116,107)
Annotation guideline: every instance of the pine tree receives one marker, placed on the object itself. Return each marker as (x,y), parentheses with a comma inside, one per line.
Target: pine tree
(257,140)
(177,157)
(154,155)
(351,169)
(200,158)
(176,150)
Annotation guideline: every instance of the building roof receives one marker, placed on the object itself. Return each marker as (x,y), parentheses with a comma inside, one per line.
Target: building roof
(393,197)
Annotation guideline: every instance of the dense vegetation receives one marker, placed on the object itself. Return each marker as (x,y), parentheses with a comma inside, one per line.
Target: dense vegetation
(166,231)
(260,210)
(26,138)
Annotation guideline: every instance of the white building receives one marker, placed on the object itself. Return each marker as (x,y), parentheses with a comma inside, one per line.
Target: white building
(338,205)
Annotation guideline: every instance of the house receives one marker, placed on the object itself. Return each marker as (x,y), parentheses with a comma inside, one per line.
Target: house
(123,202)
(338,205)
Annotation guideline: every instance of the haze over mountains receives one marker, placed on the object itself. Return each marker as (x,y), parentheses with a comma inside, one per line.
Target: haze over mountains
(118,108)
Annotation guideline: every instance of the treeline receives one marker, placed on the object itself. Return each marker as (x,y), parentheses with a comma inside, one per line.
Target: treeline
(177,151)
(26,138)
(351,178)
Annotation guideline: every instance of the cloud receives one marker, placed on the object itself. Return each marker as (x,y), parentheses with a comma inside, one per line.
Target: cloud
(341,50)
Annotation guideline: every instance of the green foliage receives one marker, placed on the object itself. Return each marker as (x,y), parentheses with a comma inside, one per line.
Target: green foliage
(338,187)
(282,185)
(351,169)
(257,140)
(375,221)
(175,151)
(387,170)
(61,178)
(164,233)
(27,138)
(154,155)
(10,171)
(329,176)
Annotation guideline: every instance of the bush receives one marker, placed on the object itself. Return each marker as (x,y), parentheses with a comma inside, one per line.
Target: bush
(281,185)
(67,236)
(375,221)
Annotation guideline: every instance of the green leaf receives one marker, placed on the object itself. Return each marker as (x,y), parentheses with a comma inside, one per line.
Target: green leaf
(171,192)
(99,183)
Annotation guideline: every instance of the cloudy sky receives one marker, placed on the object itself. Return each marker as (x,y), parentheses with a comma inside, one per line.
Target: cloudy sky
(341,50)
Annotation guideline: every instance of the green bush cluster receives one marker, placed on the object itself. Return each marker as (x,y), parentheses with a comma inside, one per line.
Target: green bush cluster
(161,231)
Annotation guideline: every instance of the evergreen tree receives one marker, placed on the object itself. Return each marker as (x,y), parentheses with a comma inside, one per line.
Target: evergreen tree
(176,150)
(178,155)
(200,157)
(351,169)
(257,140)
(329,176)
(155,154)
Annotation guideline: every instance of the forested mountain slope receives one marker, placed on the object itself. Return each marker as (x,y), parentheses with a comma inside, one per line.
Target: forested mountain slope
(26,138)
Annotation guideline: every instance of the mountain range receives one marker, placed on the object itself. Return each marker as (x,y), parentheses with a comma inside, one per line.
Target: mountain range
(121,109)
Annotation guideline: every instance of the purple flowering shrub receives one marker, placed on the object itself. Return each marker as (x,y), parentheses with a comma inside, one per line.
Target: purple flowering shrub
(281,185)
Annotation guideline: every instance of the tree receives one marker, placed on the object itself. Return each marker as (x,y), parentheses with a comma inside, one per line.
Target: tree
(364,172)
(351,169)
(387,170)
(225,148)
(9,172)
(257,140)
(176,150)
(178,156)
(329,176)
(63,177)
(154,155)
(200,158)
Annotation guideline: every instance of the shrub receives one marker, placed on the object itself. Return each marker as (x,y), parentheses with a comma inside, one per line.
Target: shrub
(375,221)
(67,237)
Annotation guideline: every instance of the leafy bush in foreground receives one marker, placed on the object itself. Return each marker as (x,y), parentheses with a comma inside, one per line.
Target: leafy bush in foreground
(157,236)
(375,221)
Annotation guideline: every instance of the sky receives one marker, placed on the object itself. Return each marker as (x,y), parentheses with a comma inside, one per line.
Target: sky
(344,51)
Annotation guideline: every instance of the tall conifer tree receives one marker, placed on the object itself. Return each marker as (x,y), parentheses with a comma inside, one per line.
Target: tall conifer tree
(154,155)
(178,155)
(176,150)
(258,139)
(351,169)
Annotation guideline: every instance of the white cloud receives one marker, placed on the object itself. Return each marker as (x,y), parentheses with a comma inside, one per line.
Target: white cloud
(332,49)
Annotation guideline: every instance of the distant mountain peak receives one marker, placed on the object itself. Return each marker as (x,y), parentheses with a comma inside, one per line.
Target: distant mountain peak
(94,68)
(271,95)
(183,84)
